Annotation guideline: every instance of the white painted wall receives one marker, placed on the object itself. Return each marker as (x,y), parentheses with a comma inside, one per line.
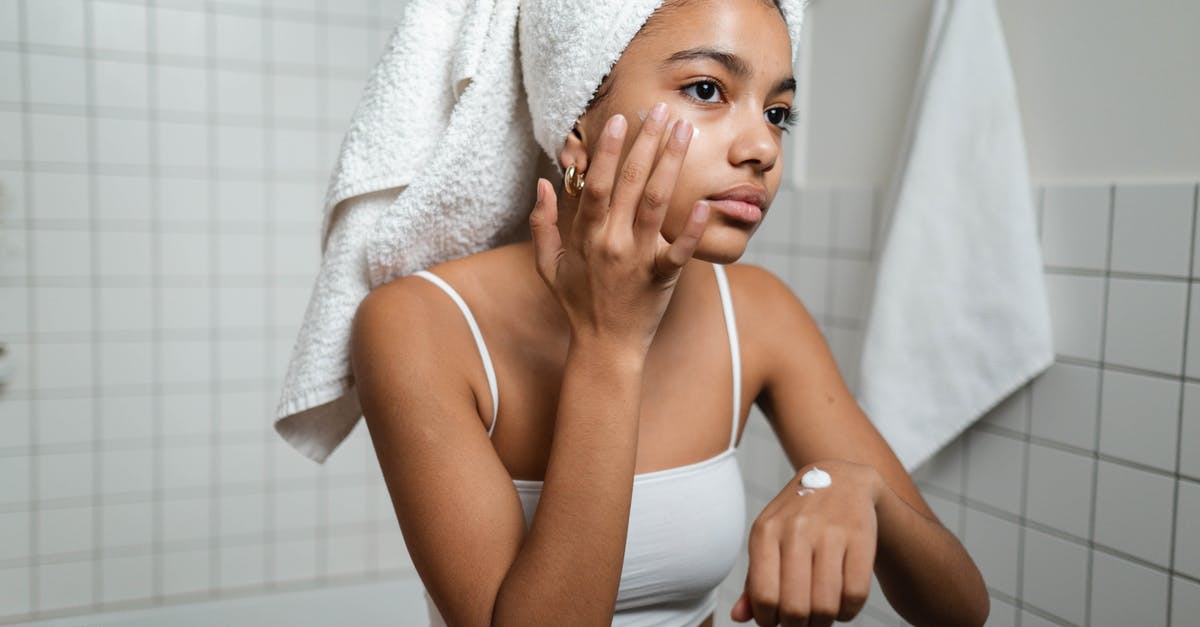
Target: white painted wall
(1107,89)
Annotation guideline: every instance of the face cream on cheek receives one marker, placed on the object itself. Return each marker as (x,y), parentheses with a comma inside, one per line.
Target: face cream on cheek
(814,479)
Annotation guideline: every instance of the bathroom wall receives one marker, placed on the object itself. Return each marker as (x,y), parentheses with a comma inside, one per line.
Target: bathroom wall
(1107,89)
(162,167)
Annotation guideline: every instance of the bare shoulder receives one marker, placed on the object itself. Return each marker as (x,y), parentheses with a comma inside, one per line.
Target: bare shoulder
(781,321)
(405,331)
(756,283)
(413,309)
(395,312)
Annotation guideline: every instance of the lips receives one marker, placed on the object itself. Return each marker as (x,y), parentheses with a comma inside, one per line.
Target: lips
(742,202)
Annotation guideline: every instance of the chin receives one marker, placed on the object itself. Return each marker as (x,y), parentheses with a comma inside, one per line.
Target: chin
(722,245)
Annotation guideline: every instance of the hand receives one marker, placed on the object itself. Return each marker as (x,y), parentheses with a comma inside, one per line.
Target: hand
(615,276)
(812,555)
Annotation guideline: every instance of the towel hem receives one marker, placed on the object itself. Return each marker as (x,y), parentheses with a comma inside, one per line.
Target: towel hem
(313,397)
(321,425)
(1034,368)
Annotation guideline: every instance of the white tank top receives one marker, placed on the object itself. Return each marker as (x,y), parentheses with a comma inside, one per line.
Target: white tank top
(686,524)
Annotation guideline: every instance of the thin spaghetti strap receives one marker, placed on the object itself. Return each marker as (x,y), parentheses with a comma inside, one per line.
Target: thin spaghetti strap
(483,351)
(734,354)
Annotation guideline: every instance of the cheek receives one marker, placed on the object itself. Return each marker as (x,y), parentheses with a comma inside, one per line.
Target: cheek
(689,187)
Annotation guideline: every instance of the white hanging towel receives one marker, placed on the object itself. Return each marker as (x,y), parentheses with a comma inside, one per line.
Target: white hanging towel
(959,317)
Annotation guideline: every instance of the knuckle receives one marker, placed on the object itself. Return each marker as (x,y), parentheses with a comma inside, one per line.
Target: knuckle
(632,172)
(834,536)
(798,526)
(762,599)
(854,598)
(763,526)
(596,190)
(824,610)
(543,270)
(606,249)
(792,611)
(655,196)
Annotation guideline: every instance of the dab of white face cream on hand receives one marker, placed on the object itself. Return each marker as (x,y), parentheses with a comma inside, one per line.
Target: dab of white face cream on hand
(816,479)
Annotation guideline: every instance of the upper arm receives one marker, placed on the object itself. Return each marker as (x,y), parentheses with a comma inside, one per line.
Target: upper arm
(804,396)
(458,511)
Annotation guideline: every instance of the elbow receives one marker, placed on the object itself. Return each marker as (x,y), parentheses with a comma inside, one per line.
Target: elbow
(980,605)
(983,608)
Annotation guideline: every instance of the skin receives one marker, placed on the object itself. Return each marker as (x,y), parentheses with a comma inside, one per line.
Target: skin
(810,557)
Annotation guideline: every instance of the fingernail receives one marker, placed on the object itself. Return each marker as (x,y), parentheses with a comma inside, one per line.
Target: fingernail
(683,130)
(642,115)
(695,132)
(539,191)
(702,212)
(616,125)
(659,112)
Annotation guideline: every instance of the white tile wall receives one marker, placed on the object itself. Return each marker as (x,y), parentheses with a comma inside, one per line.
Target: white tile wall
(159,161)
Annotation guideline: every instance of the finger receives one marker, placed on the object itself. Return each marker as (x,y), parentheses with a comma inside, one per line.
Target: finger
(795,582)
(762,577)
(656,198)
(631,179)
(856,576)
(595,199)
(543,227)
(685,243)
(740,612)
(828,558)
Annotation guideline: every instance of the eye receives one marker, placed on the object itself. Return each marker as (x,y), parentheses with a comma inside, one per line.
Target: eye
(783,117)
(704,90)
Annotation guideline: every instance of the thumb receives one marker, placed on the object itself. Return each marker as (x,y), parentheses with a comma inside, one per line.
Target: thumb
(543,227)
(741,609)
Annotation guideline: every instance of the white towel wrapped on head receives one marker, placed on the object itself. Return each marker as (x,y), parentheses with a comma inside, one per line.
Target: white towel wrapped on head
(441,161)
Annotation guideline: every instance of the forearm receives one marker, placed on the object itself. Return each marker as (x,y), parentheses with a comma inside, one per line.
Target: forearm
(924,571)
(569,568)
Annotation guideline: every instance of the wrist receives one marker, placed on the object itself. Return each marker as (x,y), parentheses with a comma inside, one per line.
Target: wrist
(879,487)
(605,351)
(595,344)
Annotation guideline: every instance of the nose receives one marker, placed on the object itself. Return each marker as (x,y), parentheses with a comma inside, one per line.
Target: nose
(755,143)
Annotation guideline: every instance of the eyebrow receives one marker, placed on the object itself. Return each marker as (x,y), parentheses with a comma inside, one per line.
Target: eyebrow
(731,61)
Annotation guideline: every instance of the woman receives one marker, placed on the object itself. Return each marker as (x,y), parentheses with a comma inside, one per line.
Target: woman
(611,335)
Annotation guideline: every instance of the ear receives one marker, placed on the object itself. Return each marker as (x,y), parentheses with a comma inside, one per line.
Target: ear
(575,150)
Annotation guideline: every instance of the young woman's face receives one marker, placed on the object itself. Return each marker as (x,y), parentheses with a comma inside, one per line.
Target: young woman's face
(724,65)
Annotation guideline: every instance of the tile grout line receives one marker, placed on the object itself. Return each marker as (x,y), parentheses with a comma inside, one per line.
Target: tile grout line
(321,546)
(373,548)
(215,556)
(156,317)
(1026,392)
(831,274)
(34,404)
(97,500)
(1095,453)
(269,541)
(1187,307)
